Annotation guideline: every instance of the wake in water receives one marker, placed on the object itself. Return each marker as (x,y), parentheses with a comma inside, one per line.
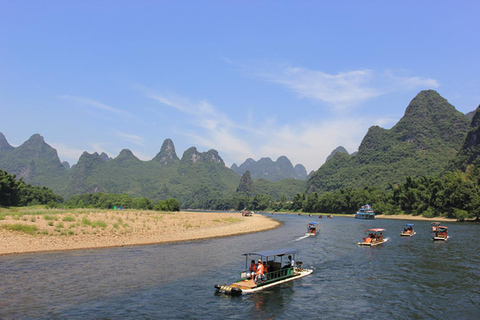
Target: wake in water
(298,239)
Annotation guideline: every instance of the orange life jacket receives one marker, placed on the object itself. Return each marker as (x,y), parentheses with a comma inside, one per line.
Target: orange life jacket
(260,269)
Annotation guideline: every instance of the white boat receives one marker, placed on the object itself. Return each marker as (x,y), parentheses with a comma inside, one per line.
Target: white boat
(279,271)
(312,229)
(408,230)
(365,212)
(373,237)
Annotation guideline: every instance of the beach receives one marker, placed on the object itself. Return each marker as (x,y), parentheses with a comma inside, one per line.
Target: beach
(86,229)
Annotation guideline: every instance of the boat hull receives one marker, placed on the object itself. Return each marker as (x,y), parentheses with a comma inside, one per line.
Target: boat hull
(312,234)
(441,238)
(370,244)
(230,289)
(403,234)
(364,216)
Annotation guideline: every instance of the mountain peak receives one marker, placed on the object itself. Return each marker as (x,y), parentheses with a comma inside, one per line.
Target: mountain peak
(192,155)
(273,171)
(337,150)
(4,145)
(167,155)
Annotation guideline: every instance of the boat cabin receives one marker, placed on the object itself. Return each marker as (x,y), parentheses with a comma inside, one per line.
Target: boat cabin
(279,267)
(434,226)
(275,262)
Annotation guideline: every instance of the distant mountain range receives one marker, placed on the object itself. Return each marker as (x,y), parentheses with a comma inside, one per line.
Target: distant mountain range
(431,136)
(270,170)
(193,179)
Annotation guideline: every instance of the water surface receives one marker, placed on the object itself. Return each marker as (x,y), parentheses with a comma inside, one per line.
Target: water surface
(410,277)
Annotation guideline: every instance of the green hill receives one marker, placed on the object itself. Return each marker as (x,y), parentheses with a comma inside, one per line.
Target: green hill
(35,161)
(423,142)
(469,154)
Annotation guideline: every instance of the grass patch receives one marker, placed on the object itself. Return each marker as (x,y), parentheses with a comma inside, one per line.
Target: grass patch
(21,228)
(94,224)
(68,219)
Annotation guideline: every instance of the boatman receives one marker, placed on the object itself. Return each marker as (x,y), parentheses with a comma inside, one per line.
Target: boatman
(291,261)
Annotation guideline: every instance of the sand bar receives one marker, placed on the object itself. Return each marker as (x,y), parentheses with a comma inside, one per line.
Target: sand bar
(76,230)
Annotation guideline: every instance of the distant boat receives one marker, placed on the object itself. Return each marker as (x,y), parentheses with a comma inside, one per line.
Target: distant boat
(312,229)
(408,230)
(365,212)
(440,233)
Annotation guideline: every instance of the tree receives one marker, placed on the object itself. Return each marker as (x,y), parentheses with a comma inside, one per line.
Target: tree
(9,193)
(245,186)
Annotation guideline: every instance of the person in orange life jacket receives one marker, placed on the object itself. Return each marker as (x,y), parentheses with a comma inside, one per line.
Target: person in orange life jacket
(260,270)
(253,269)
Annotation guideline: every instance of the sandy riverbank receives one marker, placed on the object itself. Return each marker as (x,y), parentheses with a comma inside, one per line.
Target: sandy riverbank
(411,217)
(83,229)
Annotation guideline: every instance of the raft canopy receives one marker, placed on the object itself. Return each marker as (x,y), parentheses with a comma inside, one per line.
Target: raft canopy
(375,230)
(313,223)
(270,253)
(409,224)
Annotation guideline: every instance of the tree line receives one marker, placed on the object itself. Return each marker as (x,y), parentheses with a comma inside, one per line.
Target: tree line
(120,201)
(15,193)
(18,193)
(453,195)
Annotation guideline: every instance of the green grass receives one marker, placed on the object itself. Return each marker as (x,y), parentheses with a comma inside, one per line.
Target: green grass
(21,228)
(93,224)
(68,219)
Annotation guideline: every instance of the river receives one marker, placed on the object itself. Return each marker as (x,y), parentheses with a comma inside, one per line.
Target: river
(413,277)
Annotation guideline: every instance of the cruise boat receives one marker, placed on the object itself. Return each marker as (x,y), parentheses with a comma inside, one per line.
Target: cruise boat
(373,237)
(312,229)
(279,269)
(440,233)
(365,212)
(408,230)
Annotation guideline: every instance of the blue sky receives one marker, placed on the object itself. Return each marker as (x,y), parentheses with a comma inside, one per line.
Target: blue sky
(250,79)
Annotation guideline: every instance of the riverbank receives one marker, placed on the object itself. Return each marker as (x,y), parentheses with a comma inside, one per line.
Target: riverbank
(412,217)
(378,216)
(58,230)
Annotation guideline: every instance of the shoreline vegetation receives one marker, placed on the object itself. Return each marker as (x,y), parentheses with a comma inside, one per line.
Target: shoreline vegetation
(388,216)
(30,230)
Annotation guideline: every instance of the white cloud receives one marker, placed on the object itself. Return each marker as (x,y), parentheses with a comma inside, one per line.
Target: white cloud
(344,90)
(402,82)
(208,126)
(138,140)
(94,103)
(308,143)
(341,91)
